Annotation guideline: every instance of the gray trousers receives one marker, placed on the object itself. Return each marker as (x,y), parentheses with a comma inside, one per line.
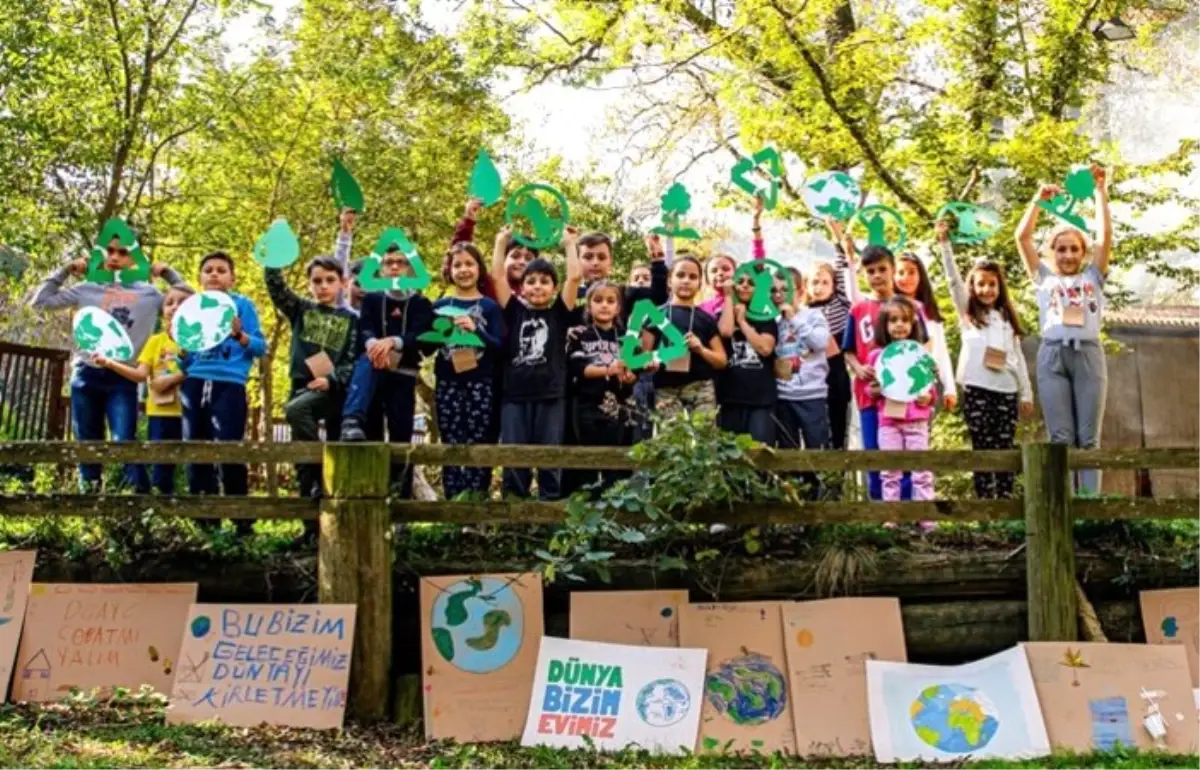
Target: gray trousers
(1072,384)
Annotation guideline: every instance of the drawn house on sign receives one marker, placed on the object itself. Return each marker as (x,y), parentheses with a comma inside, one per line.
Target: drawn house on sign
(37,667)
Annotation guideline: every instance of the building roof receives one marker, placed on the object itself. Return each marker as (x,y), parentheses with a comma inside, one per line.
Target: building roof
(1155,316)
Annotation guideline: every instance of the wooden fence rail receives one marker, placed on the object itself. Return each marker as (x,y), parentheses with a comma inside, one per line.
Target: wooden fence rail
(356,515)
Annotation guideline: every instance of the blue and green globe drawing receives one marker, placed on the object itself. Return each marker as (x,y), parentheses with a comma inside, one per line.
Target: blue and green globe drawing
(477,624)
(749,690)
(954,718)
(663,702)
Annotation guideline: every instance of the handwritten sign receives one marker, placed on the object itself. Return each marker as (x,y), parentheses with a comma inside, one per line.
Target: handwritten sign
(1172,616)
(100,636)
(615,695)
(827,648)
(646,618)
(479,647)
(747,700)
(282,664)
(16,573)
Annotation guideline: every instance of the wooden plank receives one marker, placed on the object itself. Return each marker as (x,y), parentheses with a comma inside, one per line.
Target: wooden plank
(1049,544)
(1137,508)
(1172,409)
(1122,425)
(1133,459)
(177,452)
(188,507)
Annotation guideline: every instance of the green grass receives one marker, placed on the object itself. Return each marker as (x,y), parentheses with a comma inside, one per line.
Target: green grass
(133,734)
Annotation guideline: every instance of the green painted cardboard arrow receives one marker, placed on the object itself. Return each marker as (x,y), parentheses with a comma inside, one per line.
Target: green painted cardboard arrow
(763,273)
(769,192)
(97,273)
(874,218)
(344,189)
(676,203)
(972,224)
(278,247)
(1079,185)
(546,230)
(645,312)
(485,183)
(370,278)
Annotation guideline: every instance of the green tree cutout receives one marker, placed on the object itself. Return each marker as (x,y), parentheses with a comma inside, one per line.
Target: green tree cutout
(444,332)
(1079,185)
(371,280)
(676,203)
(875,219)
(646,313)
(97,273)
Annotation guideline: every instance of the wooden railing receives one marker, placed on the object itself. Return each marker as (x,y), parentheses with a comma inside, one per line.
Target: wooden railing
(32,404)
(354,559)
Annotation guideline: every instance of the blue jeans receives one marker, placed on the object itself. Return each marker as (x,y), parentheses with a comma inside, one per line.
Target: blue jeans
(804,425)
(164,429)
(97,396)
(869,420)
(533,422)
(214,411)
(397,396)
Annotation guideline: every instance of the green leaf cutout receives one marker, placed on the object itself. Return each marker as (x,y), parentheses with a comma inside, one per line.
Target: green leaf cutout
(344,189)
(485,181)
(444,332)
(278,247)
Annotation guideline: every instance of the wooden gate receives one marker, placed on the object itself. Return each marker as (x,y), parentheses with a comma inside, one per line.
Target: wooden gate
(32,405)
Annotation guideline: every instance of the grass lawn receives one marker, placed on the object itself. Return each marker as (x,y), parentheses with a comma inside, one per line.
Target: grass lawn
(84,734)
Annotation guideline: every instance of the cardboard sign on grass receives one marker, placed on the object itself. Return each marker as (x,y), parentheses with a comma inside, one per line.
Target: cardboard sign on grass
(747,700)
(16,573)
(1092,693)
(90,636)
(615,696)
(828,644)
(1172,616)
(646,618)
(479,648)
(282,664)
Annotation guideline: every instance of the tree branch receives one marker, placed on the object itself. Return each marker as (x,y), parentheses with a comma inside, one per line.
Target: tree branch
(116,22)
(187,15)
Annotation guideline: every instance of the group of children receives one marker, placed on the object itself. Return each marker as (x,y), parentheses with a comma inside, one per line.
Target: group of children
(527,361)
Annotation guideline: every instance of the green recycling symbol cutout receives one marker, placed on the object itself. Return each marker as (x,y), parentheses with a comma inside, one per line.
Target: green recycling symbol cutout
(676,203)
(546,229)
(763,273)
(95,331)
(972,224)
(97,273)
(646,313)
(831,194)
(1079,185)
(906,371)
(371,279)
(876,218)
(444,332)
(768,191)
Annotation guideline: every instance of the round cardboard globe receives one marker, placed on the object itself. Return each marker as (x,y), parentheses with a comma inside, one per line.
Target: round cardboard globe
(95,331)
(203,321)
(905,370)
(831,194)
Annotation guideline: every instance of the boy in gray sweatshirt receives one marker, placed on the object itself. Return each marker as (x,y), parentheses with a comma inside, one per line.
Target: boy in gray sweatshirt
(101,395)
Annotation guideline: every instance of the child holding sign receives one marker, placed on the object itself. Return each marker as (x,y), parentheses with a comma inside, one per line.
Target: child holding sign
(745,388)
(685,384)
(465,394)
(97,394)
(898,320)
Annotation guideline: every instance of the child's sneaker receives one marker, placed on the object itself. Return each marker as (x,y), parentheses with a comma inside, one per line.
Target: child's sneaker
(352,431)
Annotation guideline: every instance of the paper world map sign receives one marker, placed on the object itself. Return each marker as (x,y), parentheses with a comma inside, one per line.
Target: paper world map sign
(95,331)
(16,573)
(831,194)
(906,371)
(203,321)
(615,695)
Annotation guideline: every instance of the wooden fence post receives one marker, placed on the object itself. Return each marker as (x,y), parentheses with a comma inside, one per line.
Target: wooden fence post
(1049,544)
(355,565)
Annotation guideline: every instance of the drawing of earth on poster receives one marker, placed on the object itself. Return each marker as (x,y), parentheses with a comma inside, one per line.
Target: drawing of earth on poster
(954,718)
(748,690)
(477,624)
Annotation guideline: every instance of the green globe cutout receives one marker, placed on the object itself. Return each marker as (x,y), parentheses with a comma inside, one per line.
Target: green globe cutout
(203,321)
(748,690)
(477,624)
(95,331)
(954,718)
(906,370)
(831,194)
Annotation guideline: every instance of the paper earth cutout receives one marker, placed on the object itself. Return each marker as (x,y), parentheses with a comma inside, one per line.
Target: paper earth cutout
(763,272)
(485,181)
(444,332)
(748,690)
(95,331)
(954,718)
(477,624)
(676,203)
(831,194)
(370,278)
(97,273)
(344,189)
(278,247)
(906,371)
(646,312)
(769,192)
(203,321)
(972,224)
(1079,185)
(874,218)
(547,230)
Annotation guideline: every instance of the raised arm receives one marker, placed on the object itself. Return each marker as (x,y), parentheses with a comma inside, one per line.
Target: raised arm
(570,291)
(50,294)
(958,292)
(282,297)
(464,231)
(727,318)
(1027,228)
(760,249)
(499,274)
(1103,219)
(845,281)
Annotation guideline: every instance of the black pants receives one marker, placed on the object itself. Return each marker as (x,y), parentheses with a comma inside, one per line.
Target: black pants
(804,425)
(758,421)
(838,380)
(533,422)
(601,430)
(304,411)
(991,419)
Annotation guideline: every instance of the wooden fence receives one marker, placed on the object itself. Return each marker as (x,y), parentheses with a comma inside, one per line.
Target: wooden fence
(356,516)
(32,404)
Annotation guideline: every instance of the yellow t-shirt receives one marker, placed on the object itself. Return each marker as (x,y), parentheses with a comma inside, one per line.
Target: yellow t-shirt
(159,354)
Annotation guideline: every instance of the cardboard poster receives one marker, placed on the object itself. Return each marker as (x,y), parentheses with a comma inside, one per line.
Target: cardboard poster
(16,573)
(479,648)
(1173,617)
(978,710)
(1095,694)
(827,646)
(646,618)
(747,700)
(100,635)
(615,696)
(282,664)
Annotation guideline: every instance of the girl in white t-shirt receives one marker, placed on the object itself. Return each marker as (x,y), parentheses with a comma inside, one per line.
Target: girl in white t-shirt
(1072,375)
(991,367)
